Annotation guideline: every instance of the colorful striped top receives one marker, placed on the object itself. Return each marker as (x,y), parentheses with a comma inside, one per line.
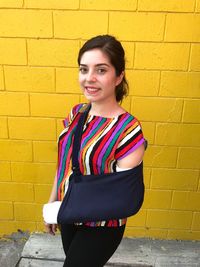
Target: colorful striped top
(104,141)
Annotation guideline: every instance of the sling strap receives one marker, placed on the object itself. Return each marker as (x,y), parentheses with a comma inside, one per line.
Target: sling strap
(77,140)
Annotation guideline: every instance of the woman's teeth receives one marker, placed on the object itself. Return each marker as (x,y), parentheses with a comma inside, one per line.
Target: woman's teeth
(92,90)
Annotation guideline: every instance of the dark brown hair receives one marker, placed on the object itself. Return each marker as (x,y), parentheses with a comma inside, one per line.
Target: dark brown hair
(115,52)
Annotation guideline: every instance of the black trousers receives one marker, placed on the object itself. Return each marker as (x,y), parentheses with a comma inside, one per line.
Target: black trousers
(89,246)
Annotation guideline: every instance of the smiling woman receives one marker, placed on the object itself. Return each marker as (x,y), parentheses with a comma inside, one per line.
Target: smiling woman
(98,79)
(112,140)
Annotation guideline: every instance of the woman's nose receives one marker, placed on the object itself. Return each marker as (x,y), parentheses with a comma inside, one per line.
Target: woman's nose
(91,76)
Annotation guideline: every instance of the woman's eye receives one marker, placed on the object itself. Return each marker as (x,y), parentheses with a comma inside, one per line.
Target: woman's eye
(101,71)
(83,70)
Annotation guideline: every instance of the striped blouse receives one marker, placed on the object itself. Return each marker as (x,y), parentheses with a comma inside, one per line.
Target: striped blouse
(104,141)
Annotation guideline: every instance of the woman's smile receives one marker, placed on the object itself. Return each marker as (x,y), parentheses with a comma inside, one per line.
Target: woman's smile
(92,90)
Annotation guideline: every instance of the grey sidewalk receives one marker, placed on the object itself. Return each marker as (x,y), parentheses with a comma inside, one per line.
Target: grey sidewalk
(42,250)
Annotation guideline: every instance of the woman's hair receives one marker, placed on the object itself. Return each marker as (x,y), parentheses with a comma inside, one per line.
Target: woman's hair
(115,52)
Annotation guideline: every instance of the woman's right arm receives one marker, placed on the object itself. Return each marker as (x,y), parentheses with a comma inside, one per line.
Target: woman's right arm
(52,228)
(53,195)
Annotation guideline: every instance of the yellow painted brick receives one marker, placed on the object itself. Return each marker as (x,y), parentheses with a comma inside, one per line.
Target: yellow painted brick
(32,128)
(134,232)
(52,4)
(157,199)
(15,150)
(197,5)
(13,51)
(73,19)
(174,179)
(5,171)
(67,80)
(29,79)
(177,134)
(40,227)
(169,5)
(42,193)
(126,104)
(27,212)
(16,192)
(170,110)
(3,128)
(59,126)
(109,5)
(169,219)
(183,235)
(187,28)
(25,226)
(25,23)
(83,99)
(132,26)
(14,104)
(196,221)
(6,210)
(148,129)
(138,219)
(53,52)
(33,172)
(195,57)
(180,84)
(52,105)
(149,85)
(145,232)
(1,78)
(11,3)
(186,201)
(147,177)
(44,151)
(164,56)
(189,158)
(129,49)
(7,227)
(191,111)
(156,233)
(161,156)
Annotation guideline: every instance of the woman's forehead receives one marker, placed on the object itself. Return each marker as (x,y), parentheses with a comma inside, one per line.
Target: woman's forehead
(95,56)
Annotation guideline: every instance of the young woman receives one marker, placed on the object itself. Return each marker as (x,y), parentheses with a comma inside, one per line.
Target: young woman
(113,141)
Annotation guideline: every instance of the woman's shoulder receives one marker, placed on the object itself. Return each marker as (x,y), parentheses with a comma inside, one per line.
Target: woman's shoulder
(78,108)
(133,120)
(73,112)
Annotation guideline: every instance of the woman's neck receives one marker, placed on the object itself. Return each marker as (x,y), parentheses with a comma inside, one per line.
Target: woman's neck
(106,110)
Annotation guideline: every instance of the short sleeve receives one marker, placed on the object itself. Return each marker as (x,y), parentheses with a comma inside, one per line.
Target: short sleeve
(130,140)
(67,121)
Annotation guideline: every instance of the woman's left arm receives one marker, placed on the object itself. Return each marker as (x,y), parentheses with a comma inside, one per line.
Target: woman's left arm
(133,159)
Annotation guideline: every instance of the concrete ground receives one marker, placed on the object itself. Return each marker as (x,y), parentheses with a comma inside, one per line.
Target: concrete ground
(43,250)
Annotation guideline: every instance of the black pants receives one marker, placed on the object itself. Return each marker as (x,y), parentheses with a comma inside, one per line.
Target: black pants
(89,246)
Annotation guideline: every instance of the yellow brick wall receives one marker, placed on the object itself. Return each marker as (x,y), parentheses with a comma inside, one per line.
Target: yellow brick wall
(39,42)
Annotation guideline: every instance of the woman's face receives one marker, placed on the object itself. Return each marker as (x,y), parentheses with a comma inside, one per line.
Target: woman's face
(97,76)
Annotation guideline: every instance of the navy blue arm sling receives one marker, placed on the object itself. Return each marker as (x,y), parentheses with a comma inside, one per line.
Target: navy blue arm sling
(102,197)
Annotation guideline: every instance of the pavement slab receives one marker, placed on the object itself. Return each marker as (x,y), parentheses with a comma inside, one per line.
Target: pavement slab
(46,250)
(43,250)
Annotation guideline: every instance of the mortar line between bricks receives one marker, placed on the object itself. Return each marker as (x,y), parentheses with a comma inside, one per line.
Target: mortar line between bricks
(4,79)
(53,29)
(164,30)
(78,9)
(189,59)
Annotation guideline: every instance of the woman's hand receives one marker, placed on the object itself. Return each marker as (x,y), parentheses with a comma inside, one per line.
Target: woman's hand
(51,228)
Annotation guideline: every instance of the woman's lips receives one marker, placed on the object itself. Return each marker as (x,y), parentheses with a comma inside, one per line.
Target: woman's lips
(91,90)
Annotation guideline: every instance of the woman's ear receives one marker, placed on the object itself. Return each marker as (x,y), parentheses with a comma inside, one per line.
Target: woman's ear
(119,78)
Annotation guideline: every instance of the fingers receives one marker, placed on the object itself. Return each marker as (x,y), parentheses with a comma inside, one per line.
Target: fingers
(50,228)
(54,228)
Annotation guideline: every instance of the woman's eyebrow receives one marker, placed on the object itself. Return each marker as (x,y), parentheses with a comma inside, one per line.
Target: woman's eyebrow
(97,65)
